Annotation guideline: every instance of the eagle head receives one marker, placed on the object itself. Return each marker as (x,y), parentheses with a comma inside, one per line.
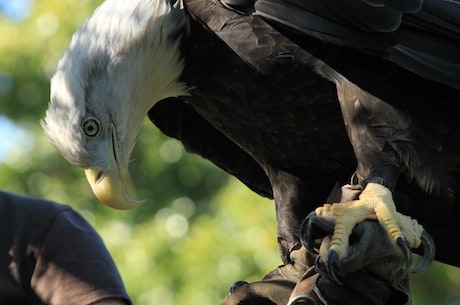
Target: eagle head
(122,61)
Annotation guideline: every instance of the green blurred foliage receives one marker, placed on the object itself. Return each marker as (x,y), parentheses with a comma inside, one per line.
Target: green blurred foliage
(199,230)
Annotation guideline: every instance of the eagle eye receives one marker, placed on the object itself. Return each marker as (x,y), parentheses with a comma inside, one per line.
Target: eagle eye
(91,127)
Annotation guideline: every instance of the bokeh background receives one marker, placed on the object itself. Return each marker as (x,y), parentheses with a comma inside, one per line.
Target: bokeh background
(200,229)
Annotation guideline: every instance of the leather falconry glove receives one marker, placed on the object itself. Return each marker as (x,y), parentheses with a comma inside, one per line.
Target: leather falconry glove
(373,272)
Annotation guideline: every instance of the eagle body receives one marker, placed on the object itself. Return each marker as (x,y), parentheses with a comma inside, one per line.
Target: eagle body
(290,97)
(253,111)
(291,138)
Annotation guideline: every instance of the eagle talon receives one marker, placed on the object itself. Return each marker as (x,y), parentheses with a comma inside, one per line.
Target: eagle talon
(235,286)
(332,266)
(405,249)
(306,238)
(429,251)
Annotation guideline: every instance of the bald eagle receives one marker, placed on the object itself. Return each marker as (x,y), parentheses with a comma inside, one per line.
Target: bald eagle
(290,96)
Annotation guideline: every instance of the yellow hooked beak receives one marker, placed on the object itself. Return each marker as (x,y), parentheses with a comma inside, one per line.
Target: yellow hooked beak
(114,186)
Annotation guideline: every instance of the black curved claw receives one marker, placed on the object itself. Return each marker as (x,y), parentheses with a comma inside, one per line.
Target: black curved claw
(236,285)
(405,249)
(305,238)
(331,266)
(429,252)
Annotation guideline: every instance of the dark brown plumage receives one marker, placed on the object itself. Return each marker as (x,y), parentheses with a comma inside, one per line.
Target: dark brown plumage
(261,111)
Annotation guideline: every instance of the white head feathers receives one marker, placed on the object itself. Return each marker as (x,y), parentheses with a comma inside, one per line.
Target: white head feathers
(119,63)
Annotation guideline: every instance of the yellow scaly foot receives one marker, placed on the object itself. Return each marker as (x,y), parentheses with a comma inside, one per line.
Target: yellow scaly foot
(375,202)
